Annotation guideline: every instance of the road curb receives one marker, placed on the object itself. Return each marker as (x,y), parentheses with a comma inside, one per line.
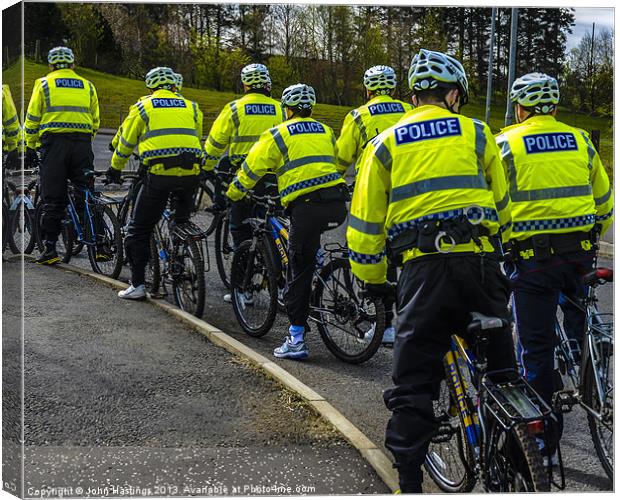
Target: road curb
(377,459)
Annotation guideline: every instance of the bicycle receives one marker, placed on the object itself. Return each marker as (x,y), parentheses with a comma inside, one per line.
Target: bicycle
(489,422)
(590,380)
(101,233)
(21,234)
(177,259)
(350,324)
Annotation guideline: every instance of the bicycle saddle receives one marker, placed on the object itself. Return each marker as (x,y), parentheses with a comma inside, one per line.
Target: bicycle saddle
(600,275)
(480,322)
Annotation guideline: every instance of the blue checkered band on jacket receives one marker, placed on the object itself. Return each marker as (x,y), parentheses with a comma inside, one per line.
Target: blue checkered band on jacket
(11,133)
(236,159)
(317,181)
(550,224)
(239,186)
(489,214)
(121,155)
(366,258)
(79,126)
(504,228)
(160,153)
(31,130)
(606,216)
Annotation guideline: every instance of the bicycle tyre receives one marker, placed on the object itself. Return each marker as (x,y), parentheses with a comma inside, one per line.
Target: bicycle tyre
(268,283)
(189,248)
(27,226)
(5,226)
(223,248)
(522,452)
(111,245)
(204,204)
(435,461)
(590,399)
(66,238)
(336,348)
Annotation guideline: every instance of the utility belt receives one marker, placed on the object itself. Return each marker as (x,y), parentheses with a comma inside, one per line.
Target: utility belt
(324,195)
(543,246)
(436,236)
(185,161)
(46,137)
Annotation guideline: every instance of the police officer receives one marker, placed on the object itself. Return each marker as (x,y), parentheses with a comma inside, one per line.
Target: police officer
(560,192)
(362,124)
(64,114)
(301,153)
(237,128)
(433,182)
(380,112)
(167,130)
(10,129)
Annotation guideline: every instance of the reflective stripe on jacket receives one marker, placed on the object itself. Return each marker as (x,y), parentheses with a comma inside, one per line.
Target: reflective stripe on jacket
(162,125)
(556,179)
(10,121)
(61,102)
(364,123)
(432,165)
(239,125)
(299,151)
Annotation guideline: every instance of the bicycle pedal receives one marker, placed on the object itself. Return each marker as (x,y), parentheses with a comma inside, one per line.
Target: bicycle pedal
(563,401)
(444,434)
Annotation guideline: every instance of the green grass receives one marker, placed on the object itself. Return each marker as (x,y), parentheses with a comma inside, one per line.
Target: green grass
(116,94)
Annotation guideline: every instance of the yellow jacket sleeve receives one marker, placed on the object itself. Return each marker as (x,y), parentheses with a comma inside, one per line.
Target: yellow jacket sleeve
(199,124)
(10,121)
(366,233)
(262,158)
(133,127)
(496,177)
(348,143)
(219,138)
(601,190)
(33,116)
(94,109)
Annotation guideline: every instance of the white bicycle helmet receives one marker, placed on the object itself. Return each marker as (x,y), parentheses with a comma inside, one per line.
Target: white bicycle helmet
(256,75)
(536,90)
(299,95)
(60,56)
(160,77)
(380,78)
(430,69)
(179,84)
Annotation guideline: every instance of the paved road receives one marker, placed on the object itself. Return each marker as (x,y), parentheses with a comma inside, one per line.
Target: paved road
(120,397)
(357,390)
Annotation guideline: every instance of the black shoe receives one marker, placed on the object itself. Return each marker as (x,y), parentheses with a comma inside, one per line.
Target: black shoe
(49,257)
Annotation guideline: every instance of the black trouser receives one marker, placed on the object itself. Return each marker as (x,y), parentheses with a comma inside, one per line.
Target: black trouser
(434,298)
(392,276)
(537,286)
(150,205)
(63,157)
(309,220)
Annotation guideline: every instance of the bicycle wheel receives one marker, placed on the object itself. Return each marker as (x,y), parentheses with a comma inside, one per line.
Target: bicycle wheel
(188,277)
(204,205)
(449,459)
(254,295)
(224,248)
(66,238)
(601,428)
(105,252)
(153,269)
(350,325)
(21,233)
(5,226)
(514,462)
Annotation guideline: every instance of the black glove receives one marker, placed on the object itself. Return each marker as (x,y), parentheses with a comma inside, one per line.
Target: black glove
(113,176)
(111,147)
(31,159)
(383,291)
(12,160)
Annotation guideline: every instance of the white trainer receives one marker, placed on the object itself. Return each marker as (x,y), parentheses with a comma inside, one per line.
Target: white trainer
(228,298)
(133,293)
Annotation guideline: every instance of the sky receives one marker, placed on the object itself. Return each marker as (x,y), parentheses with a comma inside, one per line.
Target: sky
(602,17)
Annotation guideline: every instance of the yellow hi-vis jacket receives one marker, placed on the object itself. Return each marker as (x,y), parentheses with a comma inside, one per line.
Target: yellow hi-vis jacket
(556,179)
(162,125)
(239,125)
(299,151)
(119,132)
(364,123)
(61,102)
(431,165)
(10,122)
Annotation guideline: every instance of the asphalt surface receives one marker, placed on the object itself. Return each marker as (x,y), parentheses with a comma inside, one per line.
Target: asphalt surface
(120,399)
(356,390)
